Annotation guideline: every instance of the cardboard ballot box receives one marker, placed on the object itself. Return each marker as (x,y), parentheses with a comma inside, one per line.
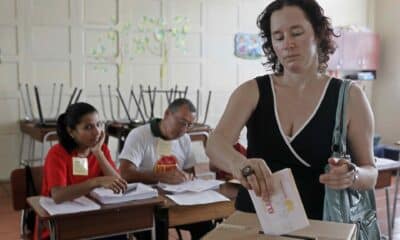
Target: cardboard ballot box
(242,225)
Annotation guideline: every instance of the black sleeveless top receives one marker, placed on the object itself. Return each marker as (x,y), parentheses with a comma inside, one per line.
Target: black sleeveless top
(306,154)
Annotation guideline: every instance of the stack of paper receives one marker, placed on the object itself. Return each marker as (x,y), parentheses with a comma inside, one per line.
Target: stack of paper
(195,198)
(382,163)
(81,204)
(196,185)
(135,191)
(197,191)
(285,212)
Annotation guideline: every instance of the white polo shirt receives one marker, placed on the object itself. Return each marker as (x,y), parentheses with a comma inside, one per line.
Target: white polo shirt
(140,148)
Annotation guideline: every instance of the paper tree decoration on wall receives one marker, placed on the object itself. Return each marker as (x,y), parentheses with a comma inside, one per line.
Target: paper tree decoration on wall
(154,36)
(248,46)
(157,29)
(118,35)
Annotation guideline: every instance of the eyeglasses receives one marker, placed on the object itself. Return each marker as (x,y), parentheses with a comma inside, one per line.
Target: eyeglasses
(183,122)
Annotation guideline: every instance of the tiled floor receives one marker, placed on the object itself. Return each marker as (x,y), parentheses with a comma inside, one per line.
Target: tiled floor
(9,219)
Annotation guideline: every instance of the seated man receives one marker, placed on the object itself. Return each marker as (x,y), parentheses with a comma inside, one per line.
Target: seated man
(161,138)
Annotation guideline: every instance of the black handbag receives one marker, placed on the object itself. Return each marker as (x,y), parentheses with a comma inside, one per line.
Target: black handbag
(349,205)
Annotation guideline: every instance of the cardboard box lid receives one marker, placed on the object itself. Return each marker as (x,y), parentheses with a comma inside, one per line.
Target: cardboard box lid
(235,232)
(242,225)
(324,230)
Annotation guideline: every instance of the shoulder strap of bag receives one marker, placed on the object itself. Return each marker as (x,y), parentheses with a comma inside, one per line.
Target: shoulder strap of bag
(339,145)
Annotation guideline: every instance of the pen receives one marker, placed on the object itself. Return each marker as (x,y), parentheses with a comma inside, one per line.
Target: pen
(131,188)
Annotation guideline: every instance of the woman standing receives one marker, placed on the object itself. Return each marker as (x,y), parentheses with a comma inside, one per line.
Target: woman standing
(290,114)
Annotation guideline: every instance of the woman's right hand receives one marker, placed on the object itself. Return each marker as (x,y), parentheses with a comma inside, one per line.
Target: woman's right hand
(116,184)
(260,180)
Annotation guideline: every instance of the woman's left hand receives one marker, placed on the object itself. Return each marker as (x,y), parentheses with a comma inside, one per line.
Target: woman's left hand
(340,175)
(97,148)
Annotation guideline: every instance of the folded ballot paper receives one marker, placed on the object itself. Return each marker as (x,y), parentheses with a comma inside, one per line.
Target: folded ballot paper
(194,192)
(196,198)
(196,185)
(285,212)
(135,191)
(81,204)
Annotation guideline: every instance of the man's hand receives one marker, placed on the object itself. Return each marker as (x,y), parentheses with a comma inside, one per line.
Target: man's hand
(175,176)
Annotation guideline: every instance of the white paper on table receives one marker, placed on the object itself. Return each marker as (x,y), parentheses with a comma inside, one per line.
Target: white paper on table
(81,204)
(135,191)
(285,213)
(196,185)
(195,198)
(382,162)
(132,188)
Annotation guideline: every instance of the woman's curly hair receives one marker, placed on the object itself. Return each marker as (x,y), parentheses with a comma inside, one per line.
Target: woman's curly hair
(321,25)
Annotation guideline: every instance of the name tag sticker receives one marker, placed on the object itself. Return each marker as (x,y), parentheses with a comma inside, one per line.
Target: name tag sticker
(164,148)
(80,166)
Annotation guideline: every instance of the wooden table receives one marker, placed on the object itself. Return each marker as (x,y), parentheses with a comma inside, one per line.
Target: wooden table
(109,220)
(385,169)
(36,133)
(171,215)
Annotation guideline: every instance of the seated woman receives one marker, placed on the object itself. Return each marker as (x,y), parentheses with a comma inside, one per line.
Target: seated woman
(81,161)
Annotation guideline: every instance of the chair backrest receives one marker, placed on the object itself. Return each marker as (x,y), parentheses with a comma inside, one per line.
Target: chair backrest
(19,188)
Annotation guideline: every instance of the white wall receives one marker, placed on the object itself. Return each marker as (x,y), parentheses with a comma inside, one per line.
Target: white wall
(11,32)
(46,41)
(386,95)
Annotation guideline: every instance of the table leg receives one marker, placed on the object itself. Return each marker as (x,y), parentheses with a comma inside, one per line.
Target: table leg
(162,224)
(396,190)
(30,150)
(21,149)
(53,229)
(388,213)
(32,157)
(153,230)
(21,223)
(40,229)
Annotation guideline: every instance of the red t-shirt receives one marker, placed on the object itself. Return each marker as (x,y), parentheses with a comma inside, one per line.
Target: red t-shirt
(57,170)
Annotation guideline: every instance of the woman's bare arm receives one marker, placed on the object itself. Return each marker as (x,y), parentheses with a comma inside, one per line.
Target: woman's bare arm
(241,104)
(360,137)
